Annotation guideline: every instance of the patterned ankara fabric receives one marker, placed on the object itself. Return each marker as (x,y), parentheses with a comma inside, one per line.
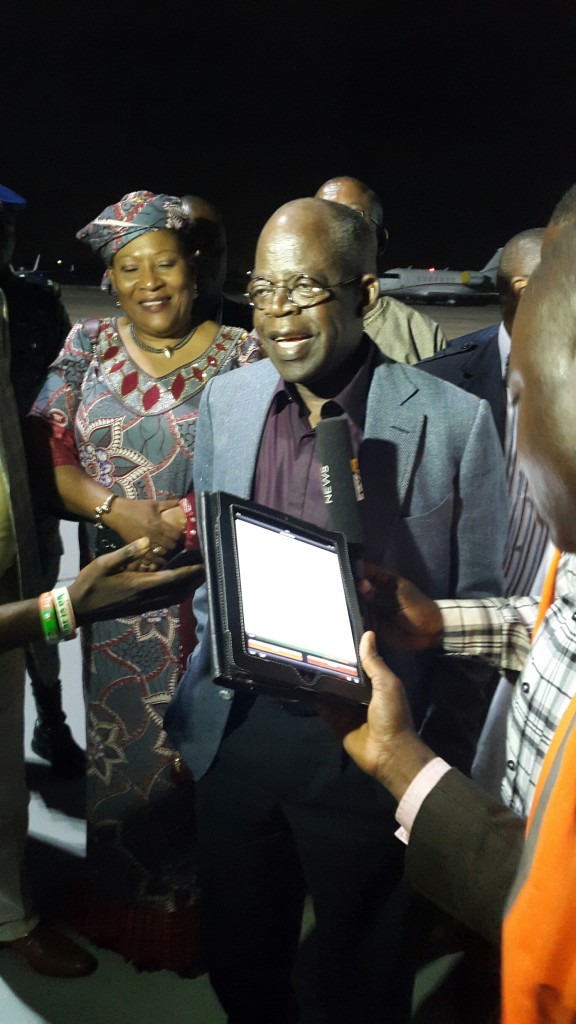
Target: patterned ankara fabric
(134,434)
(500,632)
(135,214)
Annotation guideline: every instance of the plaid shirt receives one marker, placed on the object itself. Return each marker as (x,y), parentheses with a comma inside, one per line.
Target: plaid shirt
(498,630)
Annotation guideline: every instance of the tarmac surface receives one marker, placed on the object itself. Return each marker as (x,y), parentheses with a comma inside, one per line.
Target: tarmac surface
(88,301)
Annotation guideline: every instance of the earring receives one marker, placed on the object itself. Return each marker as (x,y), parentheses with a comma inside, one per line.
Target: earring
(118,304)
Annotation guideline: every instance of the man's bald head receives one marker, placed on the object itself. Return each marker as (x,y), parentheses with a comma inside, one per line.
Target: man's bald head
(353,193)
(518,261)
(565,210)
(360,197)
(563,213)
(313,280)
(543,380)
(344,237)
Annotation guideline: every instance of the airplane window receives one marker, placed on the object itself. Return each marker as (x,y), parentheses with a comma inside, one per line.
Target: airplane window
(395,277)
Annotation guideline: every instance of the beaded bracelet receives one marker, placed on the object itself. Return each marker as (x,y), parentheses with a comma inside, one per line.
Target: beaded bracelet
(64,613)
(48,618)
(191,540)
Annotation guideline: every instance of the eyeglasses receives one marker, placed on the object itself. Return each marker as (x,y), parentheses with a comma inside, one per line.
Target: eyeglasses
(381,232)
(363,213)
(301,291)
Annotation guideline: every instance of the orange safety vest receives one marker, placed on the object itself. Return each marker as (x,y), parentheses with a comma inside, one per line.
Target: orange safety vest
(539,931)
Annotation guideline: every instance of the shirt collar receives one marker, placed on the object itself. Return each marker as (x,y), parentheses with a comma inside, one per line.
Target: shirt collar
(504,348)
(353,398)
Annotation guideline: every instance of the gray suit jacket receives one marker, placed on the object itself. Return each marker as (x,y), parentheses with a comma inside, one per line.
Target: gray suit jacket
(435,511)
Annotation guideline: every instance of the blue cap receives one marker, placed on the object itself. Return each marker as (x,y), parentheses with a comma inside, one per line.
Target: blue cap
(8,198)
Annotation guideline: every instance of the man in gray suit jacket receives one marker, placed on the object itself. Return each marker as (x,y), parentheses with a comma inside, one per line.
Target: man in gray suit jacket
(279,810)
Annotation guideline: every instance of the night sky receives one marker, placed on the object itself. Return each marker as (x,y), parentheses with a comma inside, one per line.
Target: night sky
(462,116)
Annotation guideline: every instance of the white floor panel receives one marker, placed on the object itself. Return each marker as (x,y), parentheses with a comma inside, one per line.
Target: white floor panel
(55,827)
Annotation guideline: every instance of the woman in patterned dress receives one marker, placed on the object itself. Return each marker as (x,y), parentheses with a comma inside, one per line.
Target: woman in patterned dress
(120,405)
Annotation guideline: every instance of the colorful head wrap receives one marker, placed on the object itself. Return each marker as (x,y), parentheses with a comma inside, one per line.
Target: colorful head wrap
(136,214)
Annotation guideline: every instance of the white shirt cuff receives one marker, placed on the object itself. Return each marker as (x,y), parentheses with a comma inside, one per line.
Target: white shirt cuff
(416,794)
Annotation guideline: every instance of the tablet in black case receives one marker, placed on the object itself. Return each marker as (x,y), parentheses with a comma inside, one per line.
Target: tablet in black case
(283,608)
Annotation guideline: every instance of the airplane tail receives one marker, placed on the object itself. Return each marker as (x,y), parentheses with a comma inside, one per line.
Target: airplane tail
(492,265)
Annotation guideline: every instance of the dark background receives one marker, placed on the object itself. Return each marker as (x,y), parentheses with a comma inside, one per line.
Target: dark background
(462,116)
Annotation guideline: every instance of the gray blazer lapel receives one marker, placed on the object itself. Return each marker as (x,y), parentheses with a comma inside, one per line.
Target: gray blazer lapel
(392,417)
(238,438)
(392,434)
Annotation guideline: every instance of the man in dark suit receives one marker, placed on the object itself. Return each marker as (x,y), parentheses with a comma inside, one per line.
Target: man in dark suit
(478,361)
(464,847)
(276,804)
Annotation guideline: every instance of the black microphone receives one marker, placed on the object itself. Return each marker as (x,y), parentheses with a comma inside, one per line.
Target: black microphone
(341,483)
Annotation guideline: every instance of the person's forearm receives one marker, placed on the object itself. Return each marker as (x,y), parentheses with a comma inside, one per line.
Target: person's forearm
(495,629)
(19,624)
(403,763)
(129,518)
(78,493)
(80,496)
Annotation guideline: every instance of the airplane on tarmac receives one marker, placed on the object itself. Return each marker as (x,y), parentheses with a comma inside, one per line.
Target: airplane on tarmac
(447,285)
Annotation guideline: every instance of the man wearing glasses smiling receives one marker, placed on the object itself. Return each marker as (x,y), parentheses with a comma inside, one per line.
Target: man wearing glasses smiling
(279,810)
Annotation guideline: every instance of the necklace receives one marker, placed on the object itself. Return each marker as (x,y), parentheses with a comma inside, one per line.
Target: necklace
(166,349)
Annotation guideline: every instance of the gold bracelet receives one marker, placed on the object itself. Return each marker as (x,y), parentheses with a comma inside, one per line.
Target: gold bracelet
(101,510)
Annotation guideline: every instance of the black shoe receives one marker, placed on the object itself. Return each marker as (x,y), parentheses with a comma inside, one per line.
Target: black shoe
(57,745)
(47,952)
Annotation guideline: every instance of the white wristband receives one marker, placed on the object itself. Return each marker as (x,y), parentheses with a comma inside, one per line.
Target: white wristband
(64,613)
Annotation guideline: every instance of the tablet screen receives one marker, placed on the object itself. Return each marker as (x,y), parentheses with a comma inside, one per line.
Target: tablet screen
(293,600)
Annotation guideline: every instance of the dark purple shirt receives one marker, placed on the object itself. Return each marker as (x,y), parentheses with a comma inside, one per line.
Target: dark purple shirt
(287,474)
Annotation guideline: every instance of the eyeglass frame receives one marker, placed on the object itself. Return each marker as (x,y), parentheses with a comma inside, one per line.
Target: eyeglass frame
(382,234)
(367,216)
(290,284)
